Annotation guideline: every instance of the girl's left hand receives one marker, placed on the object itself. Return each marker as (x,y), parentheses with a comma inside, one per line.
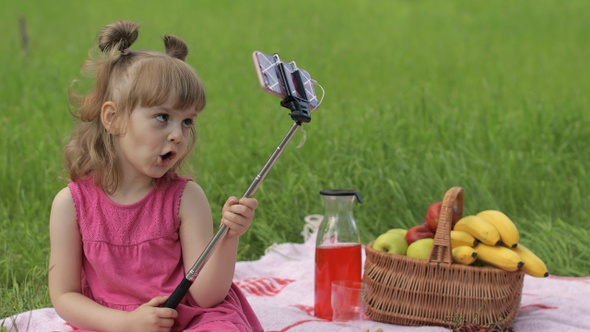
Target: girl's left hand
(237,214)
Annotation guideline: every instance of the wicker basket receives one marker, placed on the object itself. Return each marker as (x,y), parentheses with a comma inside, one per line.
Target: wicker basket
(408,291)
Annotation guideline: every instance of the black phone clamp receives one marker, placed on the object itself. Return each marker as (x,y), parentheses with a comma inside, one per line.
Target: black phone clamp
(299,108)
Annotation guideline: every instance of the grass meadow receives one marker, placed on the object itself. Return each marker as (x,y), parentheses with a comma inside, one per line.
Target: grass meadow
(420,96)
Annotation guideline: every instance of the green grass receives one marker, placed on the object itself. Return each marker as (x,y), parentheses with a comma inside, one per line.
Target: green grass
(420,96)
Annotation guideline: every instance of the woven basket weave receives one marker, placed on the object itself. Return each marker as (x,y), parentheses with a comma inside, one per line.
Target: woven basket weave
(408,291)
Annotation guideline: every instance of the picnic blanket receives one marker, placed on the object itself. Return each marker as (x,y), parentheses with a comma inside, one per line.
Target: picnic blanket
(280,287)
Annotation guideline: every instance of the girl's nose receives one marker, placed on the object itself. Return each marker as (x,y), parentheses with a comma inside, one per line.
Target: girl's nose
(175,135)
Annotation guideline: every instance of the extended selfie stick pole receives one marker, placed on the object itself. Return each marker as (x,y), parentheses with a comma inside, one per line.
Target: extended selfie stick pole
(299,113)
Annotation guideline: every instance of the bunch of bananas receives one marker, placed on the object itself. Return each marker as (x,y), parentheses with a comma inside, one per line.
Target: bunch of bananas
(491,238)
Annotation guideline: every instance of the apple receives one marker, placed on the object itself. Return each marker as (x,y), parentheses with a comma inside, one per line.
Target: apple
(420,249)
(433,215)
(418,232)
(399,231)
(391,243)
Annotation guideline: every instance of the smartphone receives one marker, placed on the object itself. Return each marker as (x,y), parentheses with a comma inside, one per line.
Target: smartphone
(297,82)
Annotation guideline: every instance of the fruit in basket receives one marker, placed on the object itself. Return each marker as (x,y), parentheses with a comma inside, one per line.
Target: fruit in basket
(480,229)
(461,238)
(465,255)
(400,231)
(533,265)
(420,249)
(391,243)
(499,256)
(418,232)
(433,215)
(506,228)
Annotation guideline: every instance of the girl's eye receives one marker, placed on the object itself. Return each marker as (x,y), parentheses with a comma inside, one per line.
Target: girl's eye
(162,117)
(187,123)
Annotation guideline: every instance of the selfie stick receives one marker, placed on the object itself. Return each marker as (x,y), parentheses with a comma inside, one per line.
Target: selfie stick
(299,113)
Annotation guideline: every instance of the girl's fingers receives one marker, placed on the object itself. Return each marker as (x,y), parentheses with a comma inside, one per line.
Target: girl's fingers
(167,323)
(157,301)
(169,314)
(233,220)
(237,214)
(250,202)
(232,201)
(237,224)
(163,313)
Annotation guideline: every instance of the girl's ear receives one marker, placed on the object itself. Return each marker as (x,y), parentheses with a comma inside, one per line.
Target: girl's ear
(108,117)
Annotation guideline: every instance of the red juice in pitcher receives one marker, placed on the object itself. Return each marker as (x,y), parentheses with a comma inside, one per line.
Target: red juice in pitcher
(341,261)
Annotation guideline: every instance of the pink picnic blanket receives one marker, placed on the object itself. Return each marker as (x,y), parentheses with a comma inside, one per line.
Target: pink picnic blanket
(279,286)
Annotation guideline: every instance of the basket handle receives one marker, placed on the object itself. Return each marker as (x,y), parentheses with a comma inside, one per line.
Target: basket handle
(441,247)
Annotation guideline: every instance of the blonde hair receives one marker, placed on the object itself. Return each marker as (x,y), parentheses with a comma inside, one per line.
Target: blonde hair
(130,79)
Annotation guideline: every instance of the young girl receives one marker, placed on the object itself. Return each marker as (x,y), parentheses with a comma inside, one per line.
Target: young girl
(127,227)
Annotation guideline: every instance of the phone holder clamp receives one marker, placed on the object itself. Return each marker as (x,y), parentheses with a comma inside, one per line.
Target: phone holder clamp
(299,108)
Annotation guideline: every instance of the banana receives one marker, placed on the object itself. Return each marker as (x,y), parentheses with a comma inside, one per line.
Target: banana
(461,238)
(479,229)
(533,265)
(464,255)
(508,232)
(499,256)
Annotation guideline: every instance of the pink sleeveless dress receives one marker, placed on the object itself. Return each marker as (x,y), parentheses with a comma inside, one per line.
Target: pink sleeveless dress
(132,253)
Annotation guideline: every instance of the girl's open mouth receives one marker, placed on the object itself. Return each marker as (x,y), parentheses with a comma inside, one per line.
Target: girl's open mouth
(168,156)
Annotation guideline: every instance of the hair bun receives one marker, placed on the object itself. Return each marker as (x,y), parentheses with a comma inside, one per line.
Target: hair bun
(120,35)
(175,47)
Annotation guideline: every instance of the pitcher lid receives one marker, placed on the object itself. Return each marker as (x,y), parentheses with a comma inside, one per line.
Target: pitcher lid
(342,192)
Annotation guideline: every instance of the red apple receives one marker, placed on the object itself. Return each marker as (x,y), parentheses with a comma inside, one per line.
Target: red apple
(433,214)
(419,232)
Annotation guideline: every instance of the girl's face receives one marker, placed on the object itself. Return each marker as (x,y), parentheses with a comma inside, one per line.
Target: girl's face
(155,138)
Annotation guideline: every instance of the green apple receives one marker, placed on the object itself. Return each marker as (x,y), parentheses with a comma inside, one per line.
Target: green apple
(420,249)
(399,231)
(391,243)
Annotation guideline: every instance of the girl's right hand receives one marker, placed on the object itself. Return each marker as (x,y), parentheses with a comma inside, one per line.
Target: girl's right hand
(237,214)
(152,317)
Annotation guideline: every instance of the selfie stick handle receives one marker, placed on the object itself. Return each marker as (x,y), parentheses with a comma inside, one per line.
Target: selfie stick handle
(192,274)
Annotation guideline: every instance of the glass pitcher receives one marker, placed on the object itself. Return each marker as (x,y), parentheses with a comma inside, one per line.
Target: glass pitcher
(338,254)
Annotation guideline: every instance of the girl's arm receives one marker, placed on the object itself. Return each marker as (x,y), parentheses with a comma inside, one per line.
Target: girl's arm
(65,265)
(196,231)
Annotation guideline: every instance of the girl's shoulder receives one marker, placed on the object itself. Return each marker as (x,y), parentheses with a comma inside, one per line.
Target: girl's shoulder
(181,187)
(187,185)
(63,210)
(173,182)
(84,188)
(87,182)
(63,198)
